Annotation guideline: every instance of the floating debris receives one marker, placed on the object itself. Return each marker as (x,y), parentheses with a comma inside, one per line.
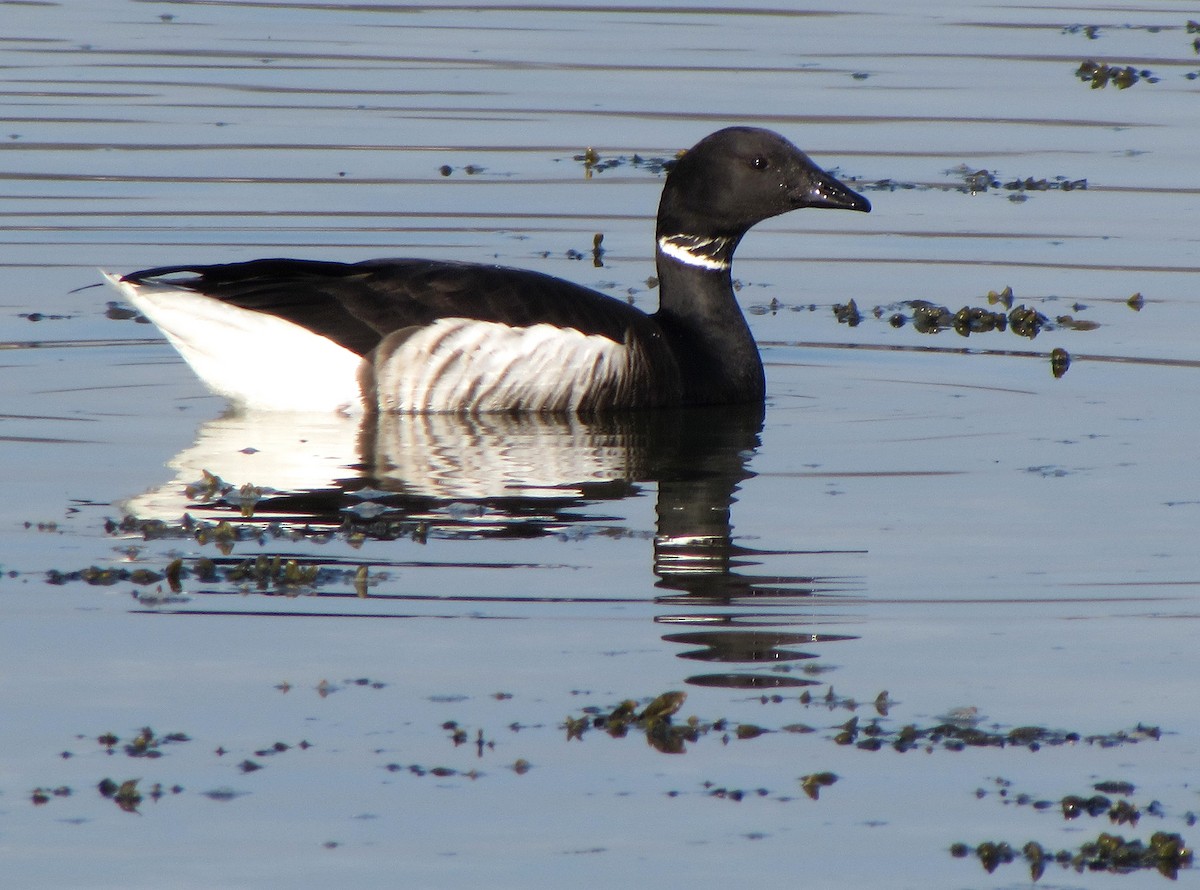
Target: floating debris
(266,573)
(1166,853)
(663,707)
(147,744)
(223,794)
(273,571)
(979,181)
(125,794)
(100,577)
(209,487)
(120,312)
(1075,806)
(441,772)
(1120,812)
(593,163)
(1115,787)
(173,572)
(1029,184)
(749,731)
(1136,302)
(247,499)
(1060,361)
(654,720)
(950,734)
(928,318)
(1101,74)
(973,320)
(277,748)
(932,318)
(814,782)
(973,181)
(1004,298)
(41,796)
(469,169)
(590,158)
(1070,323)
(1026,322)
(847,314)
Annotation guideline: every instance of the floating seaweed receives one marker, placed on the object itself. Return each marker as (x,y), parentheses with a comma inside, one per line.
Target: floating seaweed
(1059,183)
(1101,74)
(127,794)
(932,318)
(266,574)
(1060,361)
(440,772)
(847,314)
(469,169)
(972,181)
(593,163)
(734,794)
(124,794)
(1165,853)
(814,782)
(951,733)
(1026,322)
(654,720)
(1100,804)
(40,796)
(147,744)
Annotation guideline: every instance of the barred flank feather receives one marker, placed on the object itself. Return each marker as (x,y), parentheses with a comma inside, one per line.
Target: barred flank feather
(462,364)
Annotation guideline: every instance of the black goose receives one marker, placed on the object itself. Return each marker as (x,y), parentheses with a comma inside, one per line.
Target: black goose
(418,336)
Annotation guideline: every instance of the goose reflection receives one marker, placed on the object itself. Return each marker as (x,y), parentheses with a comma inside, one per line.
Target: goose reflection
(509,476)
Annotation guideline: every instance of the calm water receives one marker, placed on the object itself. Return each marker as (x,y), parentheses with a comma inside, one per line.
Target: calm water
(418,619)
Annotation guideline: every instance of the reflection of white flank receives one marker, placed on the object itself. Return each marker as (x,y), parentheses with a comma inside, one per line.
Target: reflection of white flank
(689,554)
(693,250)
(256,360)
(493,455)
(272,450)
(435,455)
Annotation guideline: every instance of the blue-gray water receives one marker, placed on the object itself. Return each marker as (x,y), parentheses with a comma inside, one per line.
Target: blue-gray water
(928,514)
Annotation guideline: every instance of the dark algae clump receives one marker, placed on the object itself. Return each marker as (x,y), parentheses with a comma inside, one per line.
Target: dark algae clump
(1165,852)
(931,318)
(655,722)
(1100,74)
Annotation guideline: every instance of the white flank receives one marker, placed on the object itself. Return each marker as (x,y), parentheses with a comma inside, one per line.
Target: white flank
(463,364)
(257,360)
(689,249)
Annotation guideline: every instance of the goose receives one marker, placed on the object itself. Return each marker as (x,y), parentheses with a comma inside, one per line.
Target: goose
(420,336)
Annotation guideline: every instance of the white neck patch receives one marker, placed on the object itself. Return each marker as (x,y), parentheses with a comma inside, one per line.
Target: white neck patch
(694,250)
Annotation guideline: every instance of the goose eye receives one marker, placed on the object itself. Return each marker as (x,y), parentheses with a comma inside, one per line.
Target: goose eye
(760,163)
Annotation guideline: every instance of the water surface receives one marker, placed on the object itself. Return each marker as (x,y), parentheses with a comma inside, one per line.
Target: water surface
(423,614)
